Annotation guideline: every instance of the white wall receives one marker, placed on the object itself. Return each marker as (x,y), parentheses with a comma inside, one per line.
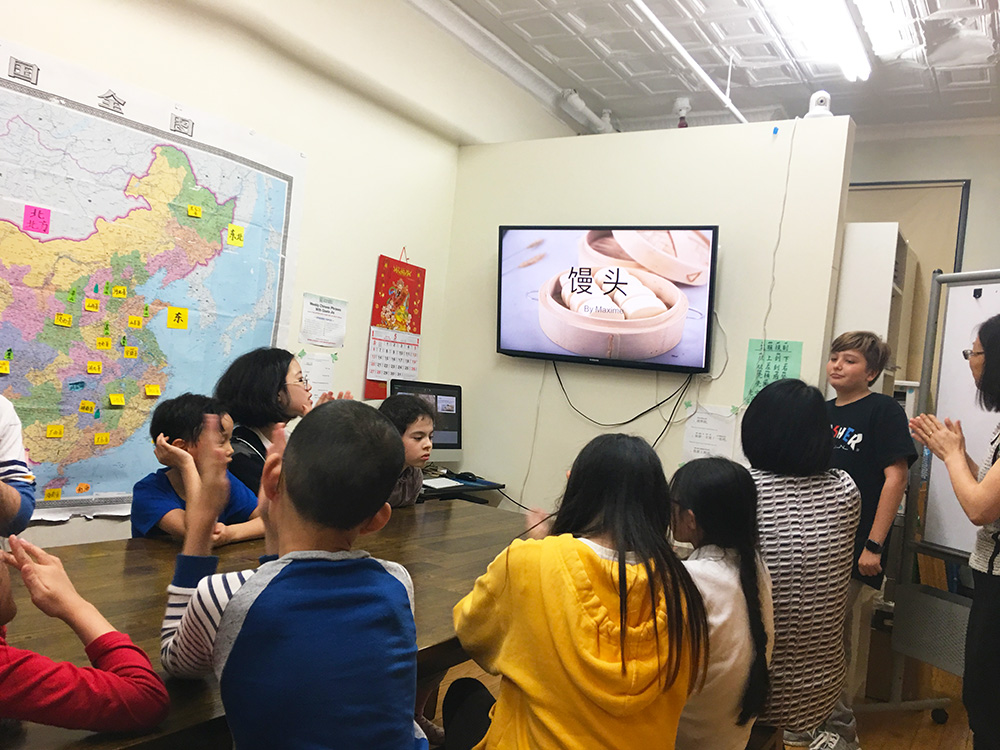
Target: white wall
(942,152)
(376,179)
(734,176)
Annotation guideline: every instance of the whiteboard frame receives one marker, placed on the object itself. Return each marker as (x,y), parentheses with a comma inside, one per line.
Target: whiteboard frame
(938,280)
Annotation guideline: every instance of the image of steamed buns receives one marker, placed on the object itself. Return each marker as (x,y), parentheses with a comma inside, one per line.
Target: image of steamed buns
(588,300)
(635,299)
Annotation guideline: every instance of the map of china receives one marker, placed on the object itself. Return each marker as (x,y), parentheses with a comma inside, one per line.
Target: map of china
(95,280)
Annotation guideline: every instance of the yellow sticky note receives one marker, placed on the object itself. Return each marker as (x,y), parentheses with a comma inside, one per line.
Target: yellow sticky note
(92,305)
(94,367)
(103,342)
(117,399)
(102,438)
(131,352)
(152,389)
(135,321)
(82,487)
(53,494)
(87,407)
(54,431)
(177,317)
(234,236)
(194,211)
(120,292)
(4,367)
(64,319)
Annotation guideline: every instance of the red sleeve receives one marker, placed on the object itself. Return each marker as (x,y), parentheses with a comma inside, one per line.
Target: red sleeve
(120,693)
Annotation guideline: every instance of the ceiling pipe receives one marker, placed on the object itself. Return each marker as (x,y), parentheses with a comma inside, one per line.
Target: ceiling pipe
(503,58)
(686,56)
(574,104)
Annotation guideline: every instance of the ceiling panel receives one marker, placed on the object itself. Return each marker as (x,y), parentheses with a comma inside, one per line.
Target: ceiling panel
(938,58)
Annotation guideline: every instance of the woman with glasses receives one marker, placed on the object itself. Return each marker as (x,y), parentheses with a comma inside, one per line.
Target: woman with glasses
(977,488)
(262,390)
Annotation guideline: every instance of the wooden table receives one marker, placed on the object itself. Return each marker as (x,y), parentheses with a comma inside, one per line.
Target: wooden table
(444,545)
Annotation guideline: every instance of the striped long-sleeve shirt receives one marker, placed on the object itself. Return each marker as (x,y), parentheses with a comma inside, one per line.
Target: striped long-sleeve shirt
(313,649)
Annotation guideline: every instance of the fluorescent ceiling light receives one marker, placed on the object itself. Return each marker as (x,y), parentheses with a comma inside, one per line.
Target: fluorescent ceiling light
(889,26)
(822,30)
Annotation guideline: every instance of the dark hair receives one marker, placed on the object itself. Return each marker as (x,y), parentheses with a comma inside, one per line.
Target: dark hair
(989,382)
(183,417)
(723,497)
(786,430)
(875,351)
(252,387)
(341,463)
(616,487)
(403,411)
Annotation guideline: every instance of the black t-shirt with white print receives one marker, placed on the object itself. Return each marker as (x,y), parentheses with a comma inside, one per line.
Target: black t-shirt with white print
(868,435)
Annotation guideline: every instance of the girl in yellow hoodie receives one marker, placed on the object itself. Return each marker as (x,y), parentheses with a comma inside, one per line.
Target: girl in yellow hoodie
(593,653)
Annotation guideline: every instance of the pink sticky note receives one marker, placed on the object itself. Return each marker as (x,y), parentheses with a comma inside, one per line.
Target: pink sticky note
(36,219)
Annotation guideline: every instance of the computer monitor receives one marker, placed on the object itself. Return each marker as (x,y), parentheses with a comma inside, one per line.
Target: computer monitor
(447,402)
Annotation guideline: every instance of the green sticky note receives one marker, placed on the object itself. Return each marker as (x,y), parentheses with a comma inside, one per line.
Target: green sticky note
(124,341)
(687,404)
(770,360)
(107,329)
(333,357)
(734,409)
(145,311)
(107,287)
(302,353)
(9,354)
(71,297)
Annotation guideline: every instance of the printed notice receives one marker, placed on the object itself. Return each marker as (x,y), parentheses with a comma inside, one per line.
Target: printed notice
(768,361)
(324,321)
(709,431)
(318,370)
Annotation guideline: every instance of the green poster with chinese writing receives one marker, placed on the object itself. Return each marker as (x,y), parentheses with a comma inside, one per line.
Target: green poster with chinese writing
(769,360)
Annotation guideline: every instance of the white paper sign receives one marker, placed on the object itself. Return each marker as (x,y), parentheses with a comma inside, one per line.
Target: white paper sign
(392,354)
(710,431)
(318,370)
(324,320)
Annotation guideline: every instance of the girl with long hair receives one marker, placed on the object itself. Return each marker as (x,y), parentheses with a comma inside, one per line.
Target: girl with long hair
(716,511)
(597,630)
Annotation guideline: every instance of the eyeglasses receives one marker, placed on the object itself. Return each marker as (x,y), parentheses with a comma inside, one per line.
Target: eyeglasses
(970,353)
(304,381)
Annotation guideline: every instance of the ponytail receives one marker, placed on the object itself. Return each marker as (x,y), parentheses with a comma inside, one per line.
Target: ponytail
(758,681)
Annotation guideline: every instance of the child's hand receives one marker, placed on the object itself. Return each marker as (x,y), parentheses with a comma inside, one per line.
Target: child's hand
(44,577)
(211,459)
(220,535)
(329,396)
(171,455)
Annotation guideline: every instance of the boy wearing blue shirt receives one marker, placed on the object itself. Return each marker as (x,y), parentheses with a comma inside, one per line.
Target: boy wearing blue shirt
(159,500)
(317,647)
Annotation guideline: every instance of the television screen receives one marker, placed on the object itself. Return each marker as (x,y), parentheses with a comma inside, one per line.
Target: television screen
(638,296)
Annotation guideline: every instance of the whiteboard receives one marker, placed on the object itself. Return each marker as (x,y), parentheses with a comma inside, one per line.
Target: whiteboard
(946,523)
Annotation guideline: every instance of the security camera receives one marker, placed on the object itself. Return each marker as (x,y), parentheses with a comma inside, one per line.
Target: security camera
(819,105)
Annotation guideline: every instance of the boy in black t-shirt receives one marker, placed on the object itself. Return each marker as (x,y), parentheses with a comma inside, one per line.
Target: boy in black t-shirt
(872,443)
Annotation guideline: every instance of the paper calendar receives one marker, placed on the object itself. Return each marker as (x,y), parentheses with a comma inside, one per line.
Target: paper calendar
(392,354)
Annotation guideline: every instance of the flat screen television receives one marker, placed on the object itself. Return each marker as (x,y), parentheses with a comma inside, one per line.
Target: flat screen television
(622,296)
(447,402)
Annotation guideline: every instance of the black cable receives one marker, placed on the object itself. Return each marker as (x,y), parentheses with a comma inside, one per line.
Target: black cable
(655,406)
(519,505)
(673,411)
